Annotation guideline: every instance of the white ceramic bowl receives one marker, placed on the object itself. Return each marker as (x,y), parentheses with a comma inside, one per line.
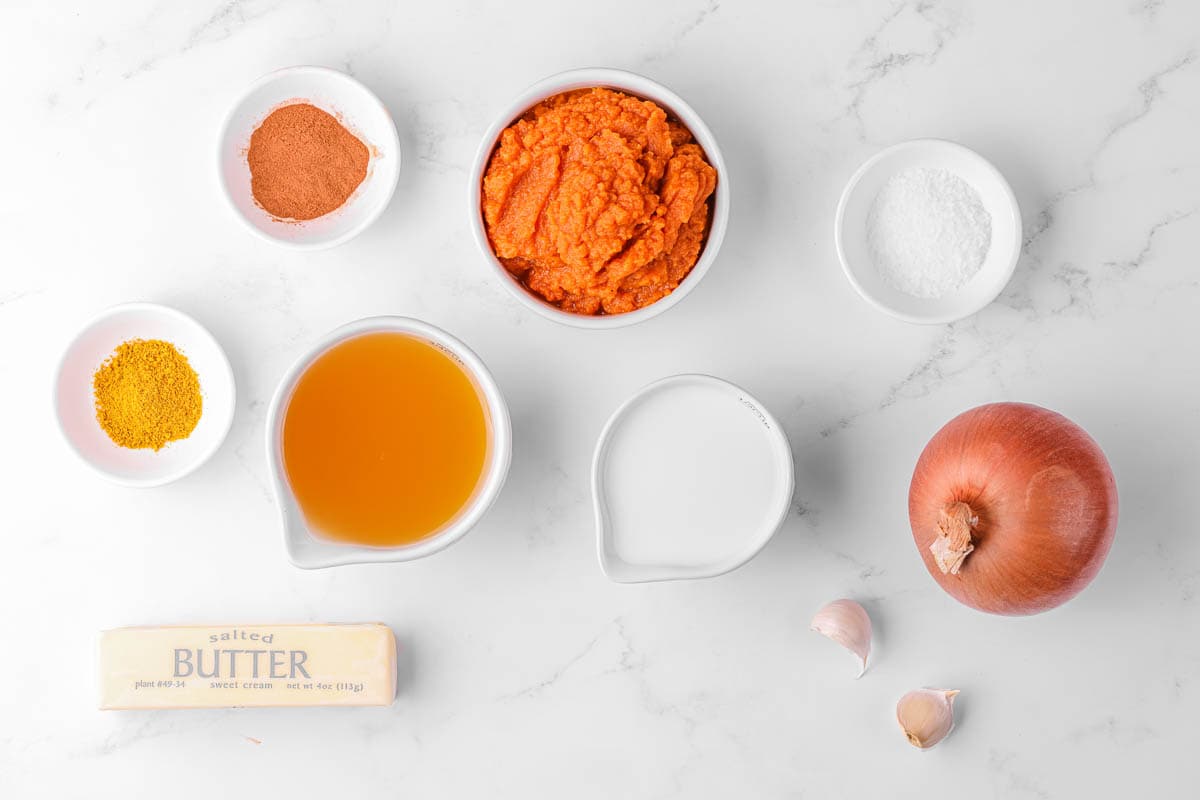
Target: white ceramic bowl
(357,108)
(850,230)
(75,404)
(712,504)
(632,84)
(309,550)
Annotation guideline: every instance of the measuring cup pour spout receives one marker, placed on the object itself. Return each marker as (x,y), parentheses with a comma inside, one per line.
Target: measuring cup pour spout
(304,549)
(295,529)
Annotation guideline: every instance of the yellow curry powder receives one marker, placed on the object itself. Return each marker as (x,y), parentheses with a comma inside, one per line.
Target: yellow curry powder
(147,394)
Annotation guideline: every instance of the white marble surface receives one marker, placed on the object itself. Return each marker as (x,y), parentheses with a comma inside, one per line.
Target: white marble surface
(525,672)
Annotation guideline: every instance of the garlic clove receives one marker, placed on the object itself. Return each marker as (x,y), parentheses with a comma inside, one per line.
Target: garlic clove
(926,716)
(847,623)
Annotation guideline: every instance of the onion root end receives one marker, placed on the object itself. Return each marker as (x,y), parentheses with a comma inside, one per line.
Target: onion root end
(953,544)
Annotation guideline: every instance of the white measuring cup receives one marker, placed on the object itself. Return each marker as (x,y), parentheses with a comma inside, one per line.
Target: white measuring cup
(307,548)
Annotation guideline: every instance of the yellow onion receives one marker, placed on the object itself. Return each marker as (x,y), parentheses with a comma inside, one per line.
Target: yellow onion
(1013,508)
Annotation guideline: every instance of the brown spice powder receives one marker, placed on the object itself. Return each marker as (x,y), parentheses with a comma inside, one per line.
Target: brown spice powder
(304,163)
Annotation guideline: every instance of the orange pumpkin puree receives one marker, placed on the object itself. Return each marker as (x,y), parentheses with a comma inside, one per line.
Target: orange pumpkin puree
(597,201)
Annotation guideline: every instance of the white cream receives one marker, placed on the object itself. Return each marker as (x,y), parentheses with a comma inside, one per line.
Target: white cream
(692,477)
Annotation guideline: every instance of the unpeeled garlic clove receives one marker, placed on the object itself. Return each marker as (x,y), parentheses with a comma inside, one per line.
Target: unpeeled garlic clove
(926,716)
(847,623)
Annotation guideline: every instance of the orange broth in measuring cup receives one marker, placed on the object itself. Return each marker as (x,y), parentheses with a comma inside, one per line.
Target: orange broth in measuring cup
(385,440)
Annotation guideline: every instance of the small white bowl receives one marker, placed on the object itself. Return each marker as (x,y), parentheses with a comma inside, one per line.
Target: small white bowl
(632,84)
(701,500)
(357,108)
(850,230)
(309,550)
(74,401)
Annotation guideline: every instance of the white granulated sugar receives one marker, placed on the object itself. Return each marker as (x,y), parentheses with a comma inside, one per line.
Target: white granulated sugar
(928,232)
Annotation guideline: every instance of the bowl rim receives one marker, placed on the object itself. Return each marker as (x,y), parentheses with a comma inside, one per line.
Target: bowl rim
(204,335)
(1002,278)
(333,553)
(224,132)
(786,462)
(639,86)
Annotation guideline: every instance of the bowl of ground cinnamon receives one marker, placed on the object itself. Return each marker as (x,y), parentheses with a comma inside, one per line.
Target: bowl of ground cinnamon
(308,157)
(144,394)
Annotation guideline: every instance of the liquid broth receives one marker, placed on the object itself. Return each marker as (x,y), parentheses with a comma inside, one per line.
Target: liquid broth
(385,440)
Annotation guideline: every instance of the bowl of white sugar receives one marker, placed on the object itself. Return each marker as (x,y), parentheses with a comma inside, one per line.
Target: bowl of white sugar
(928,231)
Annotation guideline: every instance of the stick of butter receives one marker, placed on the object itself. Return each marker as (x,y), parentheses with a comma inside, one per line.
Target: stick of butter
(217,666)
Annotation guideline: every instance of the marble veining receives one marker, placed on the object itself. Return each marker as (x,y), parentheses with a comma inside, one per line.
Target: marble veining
(524,672)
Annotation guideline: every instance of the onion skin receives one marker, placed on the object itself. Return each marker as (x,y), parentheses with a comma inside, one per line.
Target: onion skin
(1045,500)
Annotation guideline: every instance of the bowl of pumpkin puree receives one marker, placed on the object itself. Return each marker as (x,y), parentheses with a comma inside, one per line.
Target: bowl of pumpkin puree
(599,198)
